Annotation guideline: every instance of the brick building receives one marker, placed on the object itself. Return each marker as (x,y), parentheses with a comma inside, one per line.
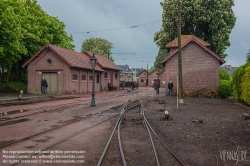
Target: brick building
(153,77)
(142,78)
(200,65)
(67,71)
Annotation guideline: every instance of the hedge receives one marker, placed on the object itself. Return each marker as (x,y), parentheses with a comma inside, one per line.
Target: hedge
(245,85)
(240,82)
(224,89)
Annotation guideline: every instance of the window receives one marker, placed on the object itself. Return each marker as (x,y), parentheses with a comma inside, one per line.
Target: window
(121,76)
(84,78)
(90,78)
(97,78)
(49,62)
(156,73)
(142,80)
(116,76)
(106,75)
(74,77)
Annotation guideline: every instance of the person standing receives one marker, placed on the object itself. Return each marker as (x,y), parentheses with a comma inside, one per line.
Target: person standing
(170,88)
(157,87)
(44,85)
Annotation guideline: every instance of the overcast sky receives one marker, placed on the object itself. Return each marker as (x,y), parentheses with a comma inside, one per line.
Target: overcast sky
(93,15)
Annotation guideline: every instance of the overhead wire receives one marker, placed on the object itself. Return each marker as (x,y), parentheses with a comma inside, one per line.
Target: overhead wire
(134,26)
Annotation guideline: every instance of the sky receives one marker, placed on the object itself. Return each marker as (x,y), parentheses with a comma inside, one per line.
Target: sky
(135,46)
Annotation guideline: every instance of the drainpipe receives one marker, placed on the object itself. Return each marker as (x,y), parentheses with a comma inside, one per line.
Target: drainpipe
(87,81)
(80,81)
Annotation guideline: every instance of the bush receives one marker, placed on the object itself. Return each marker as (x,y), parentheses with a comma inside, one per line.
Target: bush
(223,75)
(236,82)
(245,85)
(224,89)
(17,86)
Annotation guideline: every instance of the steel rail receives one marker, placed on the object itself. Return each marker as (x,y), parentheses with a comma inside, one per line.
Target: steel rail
(37,134)
(147,123)
(165,144)
(111,136)
(153,145)
(120,144)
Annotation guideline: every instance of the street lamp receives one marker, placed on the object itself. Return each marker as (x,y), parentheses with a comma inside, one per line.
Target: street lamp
(93,64)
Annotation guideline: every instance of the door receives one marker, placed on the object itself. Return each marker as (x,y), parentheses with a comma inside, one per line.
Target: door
(111,79)
(51,79)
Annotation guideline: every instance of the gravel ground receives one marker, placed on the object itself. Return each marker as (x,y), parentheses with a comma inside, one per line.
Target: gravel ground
(199,132)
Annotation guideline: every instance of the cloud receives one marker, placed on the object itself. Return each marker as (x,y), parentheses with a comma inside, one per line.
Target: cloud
(89,15)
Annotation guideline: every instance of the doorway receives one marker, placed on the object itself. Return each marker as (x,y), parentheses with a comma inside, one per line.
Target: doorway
(51,79)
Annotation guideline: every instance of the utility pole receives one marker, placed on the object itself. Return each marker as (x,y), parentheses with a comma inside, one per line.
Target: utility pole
(147,75)
(179,53)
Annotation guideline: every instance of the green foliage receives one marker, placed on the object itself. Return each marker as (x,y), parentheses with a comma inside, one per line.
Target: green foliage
(98,46)
(237,79)
(223,75)
(17,86)
(211,21)
(24,29)
(162,53)
(224,89)
(151,69)
(245,85)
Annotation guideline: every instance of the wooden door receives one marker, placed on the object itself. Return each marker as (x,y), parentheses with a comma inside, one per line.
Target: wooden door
(111,79)
(51,79)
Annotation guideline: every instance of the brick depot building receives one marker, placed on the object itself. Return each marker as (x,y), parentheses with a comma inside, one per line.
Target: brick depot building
(200,65)
(67,71)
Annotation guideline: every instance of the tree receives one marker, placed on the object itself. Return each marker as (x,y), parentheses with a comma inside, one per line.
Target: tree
(26,29)
(98,46)
(162,53)
(152,68)
(211,21)
(248,56)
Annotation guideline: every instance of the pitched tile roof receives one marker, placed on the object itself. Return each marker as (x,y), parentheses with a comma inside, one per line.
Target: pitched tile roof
(104,62)
(158,70)
(125,68)
(194,39)
(143,71)
(76,59)
(184,39)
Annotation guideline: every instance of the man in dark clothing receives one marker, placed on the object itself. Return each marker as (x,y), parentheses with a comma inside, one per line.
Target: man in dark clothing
(44,85)
(170,88)
(157,87)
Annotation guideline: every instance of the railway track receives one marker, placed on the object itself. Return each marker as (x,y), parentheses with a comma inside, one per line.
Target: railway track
(147,128)
(48,109)
(69,107)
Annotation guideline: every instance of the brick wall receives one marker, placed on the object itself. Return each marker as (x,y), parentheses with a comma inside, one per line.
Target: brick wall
(142,76)
(65,82)
(199,68)
(152,76)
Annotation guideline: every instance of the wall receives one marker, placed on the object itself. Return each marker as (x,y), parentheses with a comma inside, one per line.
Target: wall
(199,68)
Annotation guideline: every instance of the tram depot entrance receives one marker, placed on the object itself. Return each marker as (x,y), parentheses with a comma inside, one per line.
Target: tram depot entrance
(51,79)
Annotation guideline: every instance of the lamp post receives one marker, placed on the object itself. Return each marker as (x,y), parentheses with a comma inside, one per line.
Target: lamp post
(93,64)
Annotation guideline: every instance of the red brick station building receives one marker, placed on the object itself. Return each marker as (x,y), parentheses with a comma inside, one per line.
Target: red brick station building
(67,71)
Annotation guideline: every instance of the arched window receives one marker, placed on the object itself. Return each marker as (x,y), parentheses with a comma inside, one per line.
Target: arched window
(106,75)
(74,77)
